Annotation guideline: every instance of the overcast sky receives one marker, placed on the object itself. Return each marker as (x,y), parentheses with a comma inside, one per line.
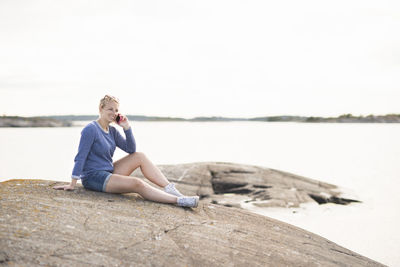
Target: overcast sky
(200,58)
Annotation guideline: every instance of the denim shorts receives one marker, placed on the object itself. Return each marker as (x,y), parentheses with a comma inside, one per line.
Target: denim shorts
(96,180)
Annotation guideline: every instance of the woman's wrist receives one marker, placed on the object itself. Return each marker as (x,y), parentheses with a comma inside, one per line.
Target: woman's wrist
(126,128)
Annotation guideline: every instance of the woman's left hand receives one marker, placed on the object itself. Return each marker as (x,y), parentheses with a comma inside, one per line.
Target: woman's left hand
(124,122)
(66,187)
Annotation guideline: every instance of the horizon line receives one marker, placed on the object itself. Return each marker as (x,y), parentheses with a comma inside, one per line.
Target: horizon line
(212,116)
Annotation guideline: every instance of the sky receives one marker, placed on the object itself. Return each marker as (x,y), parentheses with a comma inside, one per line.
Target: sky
(189,58)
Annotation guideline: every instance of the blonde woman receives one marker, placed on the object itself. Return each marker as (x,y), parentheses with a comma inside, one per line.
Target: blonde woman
(97,171)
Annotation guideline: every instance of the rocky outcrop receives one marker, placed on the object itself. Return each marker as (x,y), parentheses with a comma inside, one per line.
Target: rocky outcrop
(235,184)
(43,226)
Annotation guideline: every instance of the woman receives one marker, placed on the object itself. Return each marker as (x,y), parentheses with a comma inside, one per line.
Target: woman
(94,166)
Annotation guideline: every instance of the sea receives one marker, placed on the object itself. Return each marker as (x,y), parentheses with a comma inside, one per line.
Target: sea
(361,158)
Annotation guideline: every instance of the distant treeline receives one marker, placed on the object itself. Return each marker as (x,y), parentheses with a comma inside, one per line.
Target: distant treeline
(345,118)
(66,120)
(16,121)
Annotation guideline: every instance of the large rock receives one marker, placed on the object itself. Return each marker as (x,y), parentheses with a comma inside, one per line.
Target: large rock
(43,226)
(234,184)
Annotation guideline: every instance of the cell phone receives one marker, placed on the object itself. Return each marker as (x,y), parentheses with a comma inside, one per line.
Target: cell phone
(118,118)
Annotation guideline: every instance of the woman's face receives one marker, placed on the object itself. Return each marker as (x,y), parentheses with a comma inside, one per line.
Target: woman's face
(109,111)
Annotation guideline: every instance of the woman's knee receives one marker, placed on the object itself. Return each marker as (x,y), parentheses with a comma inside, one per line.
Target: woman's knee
(139,155)
(136,184)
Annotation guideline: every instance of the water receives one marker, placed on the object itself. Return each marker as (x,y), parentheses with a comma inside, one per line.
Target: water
(360,157)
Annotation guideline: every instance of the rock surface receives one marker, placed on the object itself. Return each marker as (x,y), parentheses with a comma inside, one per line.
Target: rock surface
(232,185)
(43,226)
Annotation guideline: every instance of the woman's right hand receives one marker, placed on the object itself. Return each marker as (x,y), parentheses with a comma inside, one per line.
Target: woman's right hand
(66,187)
(124,122)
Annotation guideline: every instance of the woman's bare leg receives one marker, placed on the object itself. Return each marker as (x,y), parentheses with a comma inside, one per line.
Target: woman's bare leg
(126,165)
(126,184)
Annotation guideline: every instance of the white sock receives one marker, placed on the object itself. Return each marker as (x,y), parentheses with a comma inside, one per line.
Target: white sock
(188,201)
(170,189)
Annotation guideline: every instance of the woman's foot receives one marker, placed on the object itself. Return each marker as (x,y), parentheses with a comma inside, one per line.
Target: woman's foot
(170,189)
(191,202)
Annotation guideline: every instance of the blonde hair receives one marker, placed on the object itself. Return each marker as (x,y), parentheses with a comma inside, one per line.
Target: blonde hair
(107,99)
